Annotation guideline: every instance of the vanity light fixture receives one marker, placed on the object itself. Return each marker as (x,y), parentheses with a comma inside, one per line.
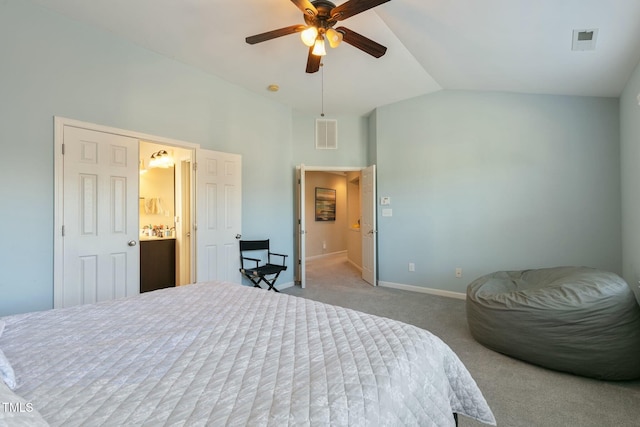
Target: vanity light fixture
(161,159)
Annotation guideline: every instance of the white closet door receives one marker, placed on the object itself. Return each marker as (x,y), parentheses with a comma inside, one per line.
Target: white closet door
(218,224)
(100,218)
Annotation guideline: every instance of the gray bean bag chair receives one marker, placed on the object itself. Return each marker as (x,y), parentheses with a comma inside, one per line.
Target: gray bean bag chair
(572,319)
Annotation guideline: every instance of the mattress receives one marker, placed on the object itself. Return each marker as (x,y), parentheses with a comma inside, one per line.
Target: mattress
(224,354)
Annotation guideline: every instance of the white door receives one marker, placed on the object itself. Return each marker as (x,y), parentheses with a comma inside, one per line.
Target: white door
(368,226)
(101,257)
(218,221)
(301,241)
(183,226)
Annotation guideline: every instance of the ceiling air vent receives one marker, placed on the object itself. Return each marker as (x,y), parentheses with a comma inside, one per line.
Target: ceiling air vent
(326,134)
(584,39)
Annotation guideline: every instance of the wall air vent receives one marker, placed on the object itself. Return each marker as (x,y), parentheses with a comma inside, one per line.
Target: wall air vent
(584,39)
(326,134)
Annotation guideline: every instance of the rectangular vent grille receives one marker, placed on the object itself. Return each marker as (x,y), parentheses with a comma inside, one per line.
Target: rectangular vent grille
(326,134)
(584,39)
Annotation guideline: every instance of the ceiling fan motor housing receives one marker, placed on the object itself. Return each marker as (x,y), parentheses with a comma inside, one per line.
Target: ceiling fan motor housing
(323,19)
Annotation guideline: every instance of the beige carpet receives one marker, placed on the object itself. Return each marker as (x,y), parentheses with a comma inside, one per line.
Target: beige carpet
(519,394)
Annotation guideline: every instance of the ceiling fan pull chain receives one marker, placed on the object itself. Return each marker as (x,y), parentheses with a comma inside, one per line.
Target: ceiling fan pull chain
(322,96)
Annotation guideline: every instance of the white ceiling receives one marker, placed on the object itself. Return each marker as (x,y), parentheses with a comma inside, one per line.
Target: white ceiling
(503,45)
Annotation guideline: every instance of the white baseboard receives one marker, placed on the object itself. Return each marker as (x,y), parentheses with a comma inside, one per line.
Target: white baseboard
(284,286)
(329,255)
(277,286)
(439,292)
(355,265)
(333,254)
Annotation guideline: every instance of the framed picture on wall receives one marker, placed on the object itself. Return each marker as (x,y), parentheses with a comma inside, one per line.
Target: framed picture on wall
(325,204)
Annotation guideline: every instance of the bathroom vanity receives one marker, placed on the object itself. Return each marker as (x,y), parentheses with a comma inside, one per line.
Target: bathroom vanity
(157,263)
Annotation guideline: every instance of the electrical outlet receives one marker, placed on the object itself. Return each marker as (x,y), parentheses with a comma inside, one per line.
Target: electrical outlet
(412,267)
(458,272)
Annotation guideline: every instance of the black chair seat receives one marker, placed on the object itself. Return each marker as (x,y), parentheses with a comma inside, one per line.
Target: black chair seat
(265,270)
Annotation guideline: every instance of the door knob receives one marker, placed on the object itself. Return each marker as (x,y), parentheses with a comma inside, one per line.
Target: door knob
(132,243)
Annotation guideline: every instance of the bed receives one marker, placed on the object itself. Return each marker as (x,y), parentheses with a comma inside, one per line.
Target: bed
(224,354)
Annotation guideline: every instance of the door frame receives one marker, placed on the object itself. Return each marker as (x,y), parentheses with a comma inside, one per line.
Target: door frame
(301,170)
(58,193)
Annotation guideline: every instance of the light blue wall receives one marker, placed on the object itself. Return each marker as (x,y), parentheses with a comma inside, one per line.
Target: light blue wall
(372,153)
(54,66)
(630,155)
(352,141)
(492,181)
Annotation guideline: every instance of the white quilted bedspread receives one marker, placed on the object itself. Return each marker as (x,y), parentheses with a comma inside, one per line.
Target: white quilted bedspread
(225,354)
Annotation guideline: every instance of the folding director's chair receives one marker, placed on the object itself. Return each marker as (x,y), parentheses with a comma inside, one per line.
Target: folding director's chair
(263,270)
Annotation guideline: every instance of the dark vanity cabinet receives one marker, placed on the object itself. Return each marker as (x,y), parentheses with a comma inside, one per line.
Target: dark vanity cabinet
(157,264)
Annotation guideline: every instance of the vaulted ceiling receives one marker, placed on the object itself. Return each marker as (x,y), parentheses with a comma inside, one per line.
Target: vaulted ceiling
(501,45)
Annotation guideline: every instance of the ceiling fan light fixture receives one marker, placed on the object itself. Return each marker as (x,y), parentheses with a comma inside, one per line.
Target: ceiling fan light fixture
(309,35)
(318,47)
(334,37)
(319,18)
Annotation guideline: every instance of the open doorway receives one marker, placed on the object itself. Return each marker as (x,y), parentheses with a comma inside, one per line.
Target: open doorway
(333,243)
(336,219)
(335,232)
(164,216)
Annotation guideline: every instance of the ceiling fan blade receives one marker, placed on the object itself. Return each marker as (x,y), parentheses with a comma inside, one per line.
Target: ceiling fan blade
(353,7)
(361,42)
(306,7)
(313,62)
(263,37)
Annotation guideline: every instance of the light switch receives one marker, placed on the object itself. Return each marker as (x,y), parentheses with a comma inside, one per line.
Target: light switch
(387,212)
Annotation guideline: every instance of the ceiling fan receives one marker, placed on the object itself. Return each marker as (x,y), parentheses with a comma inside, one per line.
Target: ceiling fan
(320,17)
